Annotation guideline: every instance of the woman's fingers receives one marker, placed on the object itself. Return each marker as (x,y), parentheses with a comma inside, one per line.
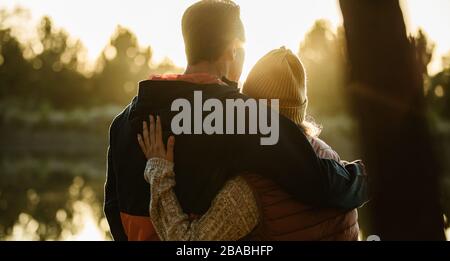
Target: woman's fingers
(152,132)
(170,147)
(141,144)
(151,141)
(158,137)
(146,135)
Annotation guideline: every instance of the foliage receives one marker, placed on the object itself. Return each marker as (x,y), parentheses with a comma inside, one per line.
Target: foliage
(51,68)
(323,55)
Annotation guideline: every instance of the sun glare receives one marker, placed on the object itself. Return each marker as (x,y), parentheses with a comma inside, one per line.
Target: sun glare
(269,24)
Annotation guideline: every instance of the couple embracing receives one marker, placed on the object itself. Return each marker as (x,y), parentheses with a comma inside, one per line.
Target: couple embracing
(163,184)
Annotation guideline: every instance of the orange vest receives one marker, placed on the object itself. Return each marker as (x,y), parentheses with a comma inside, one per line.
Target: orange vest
(283,218)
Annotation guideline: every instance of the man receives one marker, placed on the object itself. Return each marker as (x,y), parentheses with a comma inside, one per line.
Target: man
(214,36)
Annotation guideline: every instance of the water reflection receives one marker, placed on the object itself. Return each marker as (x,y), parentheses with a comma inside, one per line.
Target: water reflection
(50,194)
(52,199)
(81,220)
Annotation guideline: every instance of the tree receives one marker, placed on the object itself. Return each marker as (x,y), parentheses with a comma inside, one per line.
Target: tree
(424,49)
(438,96)
(43,70)
(49,70)
(322,53)
(122,65)
(14,68)
(58,79)
(388,101)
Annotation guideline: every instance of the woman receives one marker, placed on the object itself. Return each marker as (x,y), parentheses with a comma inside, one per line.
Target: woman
(264,211)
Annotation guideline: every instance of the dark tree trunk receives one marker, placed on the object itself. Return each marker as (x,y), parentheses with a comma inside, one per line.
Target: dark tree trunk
(386,93)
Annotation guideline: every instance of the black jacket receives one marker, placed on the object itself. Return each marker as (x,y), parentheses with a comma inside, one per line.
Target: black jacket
(203,163)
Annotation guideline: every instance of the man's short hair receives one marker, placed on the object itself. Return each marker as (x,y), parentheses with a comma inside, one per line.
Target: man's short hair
(208,27)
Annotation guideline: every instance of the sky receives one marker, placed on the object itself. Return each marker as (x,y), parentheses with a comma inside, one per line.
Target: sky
(269,24)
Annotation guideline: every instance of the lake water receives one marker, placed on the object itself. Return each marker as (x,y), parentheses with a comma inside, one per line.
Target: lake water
(51,184)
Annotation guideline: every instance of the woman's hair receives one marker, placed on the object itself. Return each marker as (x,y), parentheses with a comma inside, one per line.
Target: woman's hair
(310,127)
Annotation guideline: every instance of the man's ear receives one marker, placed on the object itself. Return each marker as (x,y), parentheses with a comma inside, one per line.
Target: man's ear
(230,52)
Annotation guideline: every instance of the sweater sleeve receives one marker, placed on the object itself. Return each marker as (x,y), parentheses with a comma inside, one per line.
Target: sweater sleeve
(323,150)
(233,213)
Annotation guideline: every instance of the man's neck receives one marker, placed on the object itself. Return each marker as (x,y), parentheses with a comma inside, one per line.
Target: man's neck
(205,67)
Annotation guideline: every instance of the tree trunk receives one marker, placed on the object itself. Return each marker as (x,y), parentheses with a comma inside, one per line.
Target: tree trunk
(386,94)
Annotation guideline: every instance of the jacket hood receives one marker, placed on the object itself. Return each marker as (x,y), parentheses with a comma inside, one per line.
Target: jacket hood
(156,96)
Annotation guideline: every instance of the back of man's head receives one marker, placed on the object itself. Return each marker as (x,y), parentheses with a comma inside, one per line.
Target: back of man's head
(209,26)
